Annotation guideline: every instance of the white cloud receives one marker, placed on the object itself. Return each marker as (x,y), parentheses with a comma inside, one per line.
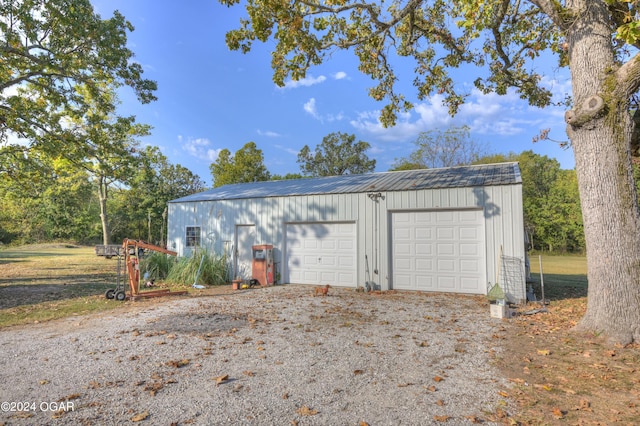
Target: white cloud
(269,133)
(485,114)
(310,108)
(306,82)
(287,149)
(340,75)
(199,148)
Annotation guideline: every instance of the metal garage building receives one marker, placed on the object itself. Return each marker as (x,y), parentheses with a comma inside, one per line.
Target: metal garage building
(449,230)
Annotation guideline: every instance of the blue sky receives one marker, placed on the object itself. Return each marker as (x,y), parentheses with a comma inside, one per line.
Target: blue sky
(210,98)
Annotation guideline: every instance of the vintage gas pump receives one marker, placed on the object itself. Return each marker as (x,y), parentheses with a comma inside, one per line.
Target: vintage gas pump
(262,265)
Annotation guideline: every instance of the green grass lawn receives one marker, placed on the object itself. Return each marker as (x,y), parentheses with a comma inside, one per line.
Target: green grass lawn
(564,276)
(44,282)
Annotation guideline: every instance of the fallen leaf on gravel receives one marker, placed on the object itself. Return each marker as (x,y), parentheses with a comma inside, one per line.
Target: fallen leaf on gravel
(356,372)
(70,397)
(43,382)
(306,411)
(248,373)
(557,413)
(473,419)
(501,414)
(153,388)
(58,414)
(178,363)
(221,379)
(431,388)
(544,352)
(440,402)
(584,405)
(364,424)
(503,394)
(404,385)
(140,417)
(438,379)
(441,418)
(285,395)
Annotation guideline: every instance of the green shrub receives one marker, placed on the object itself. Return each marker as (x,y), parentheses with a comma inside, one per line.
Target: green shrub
(214,270)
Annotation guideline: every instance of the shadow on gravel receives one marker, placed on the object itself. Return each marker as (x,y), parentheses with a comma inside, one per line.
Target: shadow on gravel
(206,324)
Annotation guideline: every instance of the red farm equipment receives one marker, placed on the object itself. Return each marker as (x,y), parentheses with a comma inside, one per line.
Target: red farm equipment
(129,266)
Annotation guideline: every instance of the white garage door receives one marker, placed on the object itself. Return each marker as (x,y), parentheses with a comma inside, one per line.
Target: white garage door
(321,253)
(439,251)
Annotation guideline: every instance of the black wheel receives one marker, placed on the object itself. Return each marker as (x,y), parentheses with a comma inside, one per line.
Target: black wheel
(110,294)
(120,296)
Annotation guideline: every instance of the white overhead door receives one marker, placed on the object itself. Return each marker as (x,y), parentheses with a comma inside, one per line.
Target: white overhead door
(321,253)
(439,251)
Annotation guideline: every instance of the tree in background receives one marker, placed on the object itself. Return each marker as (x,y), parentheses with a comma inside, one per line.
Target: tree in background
(500,39)
(288,176)
(435,148)
(109,151)
(247,165)
(154,183)
(48,49)
(551,204)
(336,155)
(48,200)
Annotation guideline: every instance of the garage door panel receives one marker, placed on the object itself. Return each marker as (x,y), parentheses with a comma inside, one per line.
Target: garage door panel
(402,234)
(424,265)
(447,249)
(441,251)
(467,249)
(445,233)
(425,283)
(403,264)
(321,253)
(446,283)
(467,233)
(468,285)
(470,266)
(446,266)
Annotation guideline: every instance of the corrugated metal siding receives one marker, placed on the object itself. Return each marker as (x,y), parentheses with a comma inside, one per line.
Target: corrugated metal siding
(501,204)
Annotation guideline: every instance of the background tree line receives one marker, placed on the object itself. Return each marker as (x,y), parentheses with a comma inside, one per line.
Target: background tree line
(52,199)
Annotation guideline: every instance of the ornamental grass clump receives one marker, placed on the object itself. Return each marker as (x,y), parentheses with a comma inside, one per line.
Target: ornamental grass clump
(214,269)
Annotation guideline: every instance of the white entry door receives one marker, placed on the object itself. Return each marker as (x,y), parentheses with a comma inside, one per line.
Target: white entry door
(321,253)
(439,251)
(245,239)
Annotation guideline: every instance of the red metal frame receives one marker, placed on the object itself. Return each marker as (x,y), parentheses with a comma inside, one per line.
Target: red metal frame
(133,269)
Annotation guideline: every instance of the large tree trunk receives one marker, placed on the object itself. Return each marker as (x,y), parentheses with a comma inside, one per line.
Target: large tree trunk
(104,218)
(600,129)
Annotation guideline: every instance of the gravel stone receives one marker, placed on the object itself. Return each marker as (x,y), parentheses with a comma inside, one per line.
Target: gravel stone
(272,356)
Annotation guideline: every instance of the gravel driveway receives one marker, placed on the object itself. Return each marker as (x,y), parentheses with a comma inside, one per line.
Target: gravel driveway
(273,356)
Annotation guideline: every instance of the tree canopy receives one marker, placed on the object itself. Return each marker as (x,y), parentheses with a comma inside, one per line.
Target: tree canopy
(247,165)
(501,40)
(338,154)
(50,48)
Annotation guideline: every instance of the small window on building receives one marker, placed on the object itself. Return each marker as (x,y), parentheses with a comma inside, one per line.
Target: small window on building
(193,236)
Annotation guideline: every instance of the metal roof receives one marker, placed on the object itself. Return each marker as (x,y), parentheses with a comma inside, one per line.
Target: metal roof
(410,180)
